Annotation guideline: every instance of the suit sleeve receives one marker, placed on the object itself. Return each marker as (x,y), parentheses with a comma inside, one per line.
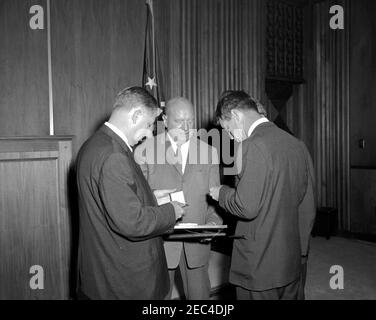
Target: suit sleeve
(307,207)
(125,213)
(145,170)
(214,181)
(245,200)
(141,159)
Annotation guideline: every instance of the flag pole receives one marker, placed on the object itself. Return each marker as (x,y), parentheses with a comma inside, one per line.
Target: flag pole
(150,3)
(50,89)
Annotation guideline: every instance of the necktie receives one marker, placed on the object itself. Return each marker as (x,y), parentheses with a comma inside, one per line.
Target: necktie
(179,157)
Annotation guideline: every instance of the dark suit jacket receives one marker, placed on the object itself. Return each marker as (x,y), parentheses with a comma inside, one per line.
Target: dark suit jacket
(201,173)
(275,203)
(121,252)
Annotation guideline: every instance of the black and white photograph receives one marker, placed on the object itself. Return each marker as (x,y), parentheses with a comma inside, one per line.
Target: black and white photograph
(192,153)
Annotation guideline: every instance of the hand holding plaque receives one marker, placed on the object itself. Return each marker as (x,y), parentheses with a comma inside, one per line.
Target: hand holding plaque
(163,196)
(169,195)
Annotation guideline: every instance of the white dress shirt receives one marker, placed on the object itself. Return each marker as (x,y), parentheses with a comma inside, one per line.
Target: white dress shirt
(255,124)
(119,133)
(184,150)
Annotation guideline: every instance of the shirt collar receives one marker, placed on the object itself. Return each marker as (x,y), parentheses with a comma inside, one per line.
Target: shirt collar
(255,124)
(119,133)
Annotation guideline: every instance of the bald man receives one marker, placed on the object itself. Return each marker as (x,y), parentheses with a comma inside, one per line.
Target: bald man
(182,162)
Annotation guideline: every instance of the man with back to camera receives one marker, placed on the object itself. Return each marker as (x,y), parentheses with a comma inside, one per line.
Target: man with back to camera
(195,170)
(273,201)
(121,252)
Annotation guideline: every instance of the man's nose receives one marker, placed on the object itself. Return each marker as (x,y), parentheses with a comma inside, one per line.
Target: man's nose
(185,125)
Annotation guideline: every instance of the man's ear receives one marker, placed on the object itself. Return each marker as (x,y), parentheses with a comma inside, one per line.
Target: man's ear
(164,117)
(136,115)
(158,112)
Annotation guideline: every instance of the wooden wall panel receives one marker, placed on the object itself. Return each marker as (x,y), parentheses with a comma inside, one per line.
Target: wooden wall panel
(205,48)
(28,223)
(331,111)
(363,82)
(23,71)
(214,45)
(362,116)
(97,50)
(363,201)
(34,220)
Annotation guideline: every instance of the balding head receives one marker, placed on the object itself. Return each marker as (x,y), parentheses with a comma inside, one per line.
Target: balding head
(134,113)
(132,97)
(179,115)
(177,104)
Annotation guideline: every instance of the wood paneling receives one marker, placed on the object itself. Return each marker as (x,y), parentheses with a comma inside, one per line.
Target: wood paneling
(362,116)
(34,221)
(97,50)
(331,111)
(363,201)
(205,48)
(23,71)
(213,45)
(363,82)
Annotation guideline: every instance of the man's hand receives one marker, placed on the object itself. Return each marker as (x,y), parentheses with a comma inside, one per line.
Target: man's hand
(162,193)
(214,192)
(178,207)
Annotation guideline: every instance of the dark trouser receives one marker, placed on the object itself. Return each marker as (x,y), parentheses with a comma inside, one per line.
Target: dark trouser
(196,281)
(302,281)
(293,291)
(289,292)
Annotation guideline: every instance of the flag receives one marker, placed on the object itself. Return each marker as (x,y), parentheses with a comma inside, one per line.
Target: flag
(151,79)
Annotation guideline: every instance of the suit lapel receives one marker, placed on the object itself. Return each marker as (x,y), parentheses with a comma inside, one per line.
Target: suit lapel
(170,155)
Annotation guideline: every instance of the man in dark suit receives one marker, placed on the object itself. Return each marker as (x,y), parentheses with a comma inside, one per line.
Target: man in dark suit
(273,200)
(121,252)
